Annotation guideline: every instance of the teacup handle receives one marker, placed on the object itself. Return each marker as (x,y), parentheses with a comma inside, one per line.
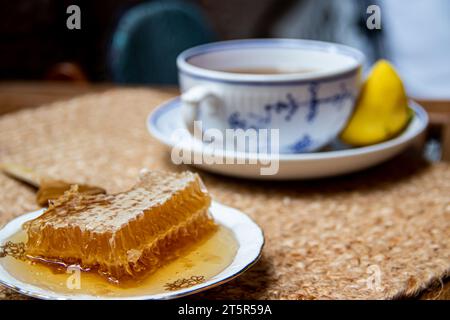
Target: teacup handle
(191,100)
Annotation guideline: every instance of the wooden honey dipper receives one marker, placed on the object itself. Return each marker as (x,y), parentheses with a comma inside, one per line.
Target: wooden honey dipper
(48,188)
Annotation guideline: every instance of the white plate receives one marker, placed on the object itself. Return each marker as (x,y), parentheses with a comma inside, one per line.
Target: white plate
(249,237)
(338,159)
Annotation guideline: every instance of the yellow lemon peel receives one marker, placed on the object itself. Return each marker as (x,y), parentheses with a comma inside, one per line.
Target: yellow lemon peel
(381,111)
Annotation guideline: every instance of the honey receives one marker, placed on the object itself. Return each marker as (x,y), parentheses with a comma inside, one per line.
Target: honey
(197,264)
(154,238)
(124,236)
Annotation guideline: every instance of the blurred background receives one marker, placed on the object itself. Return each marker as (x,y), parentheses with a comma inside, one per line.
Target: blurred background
(136,42)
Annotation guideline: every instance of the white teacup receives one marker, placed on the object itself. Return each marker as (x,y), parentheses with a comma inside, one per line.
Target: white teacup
(304,88)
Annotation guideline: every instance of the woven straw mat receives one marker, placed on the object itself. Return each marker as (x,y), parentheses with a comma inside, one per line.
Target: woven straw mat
(325,239)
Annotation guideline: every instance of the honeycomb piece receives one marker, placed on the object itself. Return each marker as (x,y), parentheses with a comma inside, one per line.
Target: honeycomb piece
(127,234)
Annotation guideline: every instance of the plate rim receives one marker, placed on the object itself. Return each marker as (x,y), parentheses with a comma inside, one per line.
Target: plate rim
(420,117)
(220,213)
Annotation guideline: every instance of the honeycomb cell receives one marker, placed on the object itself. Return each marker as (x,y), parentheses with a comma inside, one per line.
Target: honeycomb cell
(125,235)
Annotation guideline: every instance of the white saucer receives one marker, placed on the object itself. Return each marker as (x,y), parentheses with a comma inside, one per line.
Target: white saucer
(248,235)
(337,160)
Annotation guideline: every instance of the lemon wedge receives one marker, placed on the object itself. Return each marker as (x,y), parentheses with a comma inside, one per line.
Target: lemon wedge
(381,110)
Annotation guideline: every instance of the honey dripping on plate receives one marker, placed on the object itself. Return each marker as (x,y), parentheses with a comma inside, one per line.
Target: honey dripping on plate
(198,264)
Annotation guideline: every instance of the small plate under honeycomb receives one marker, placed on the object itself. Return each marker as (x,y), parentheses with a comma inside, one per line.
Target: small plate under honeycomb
(238,237)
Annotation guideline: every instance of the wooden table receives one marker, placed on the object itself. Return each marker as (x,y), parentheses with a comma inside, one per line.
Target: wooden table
(19,95)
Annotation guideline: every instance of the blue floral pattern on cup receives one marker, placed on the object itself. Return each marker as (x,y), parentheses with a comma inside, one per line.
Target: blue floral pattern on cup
(301,145)
(288,108)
